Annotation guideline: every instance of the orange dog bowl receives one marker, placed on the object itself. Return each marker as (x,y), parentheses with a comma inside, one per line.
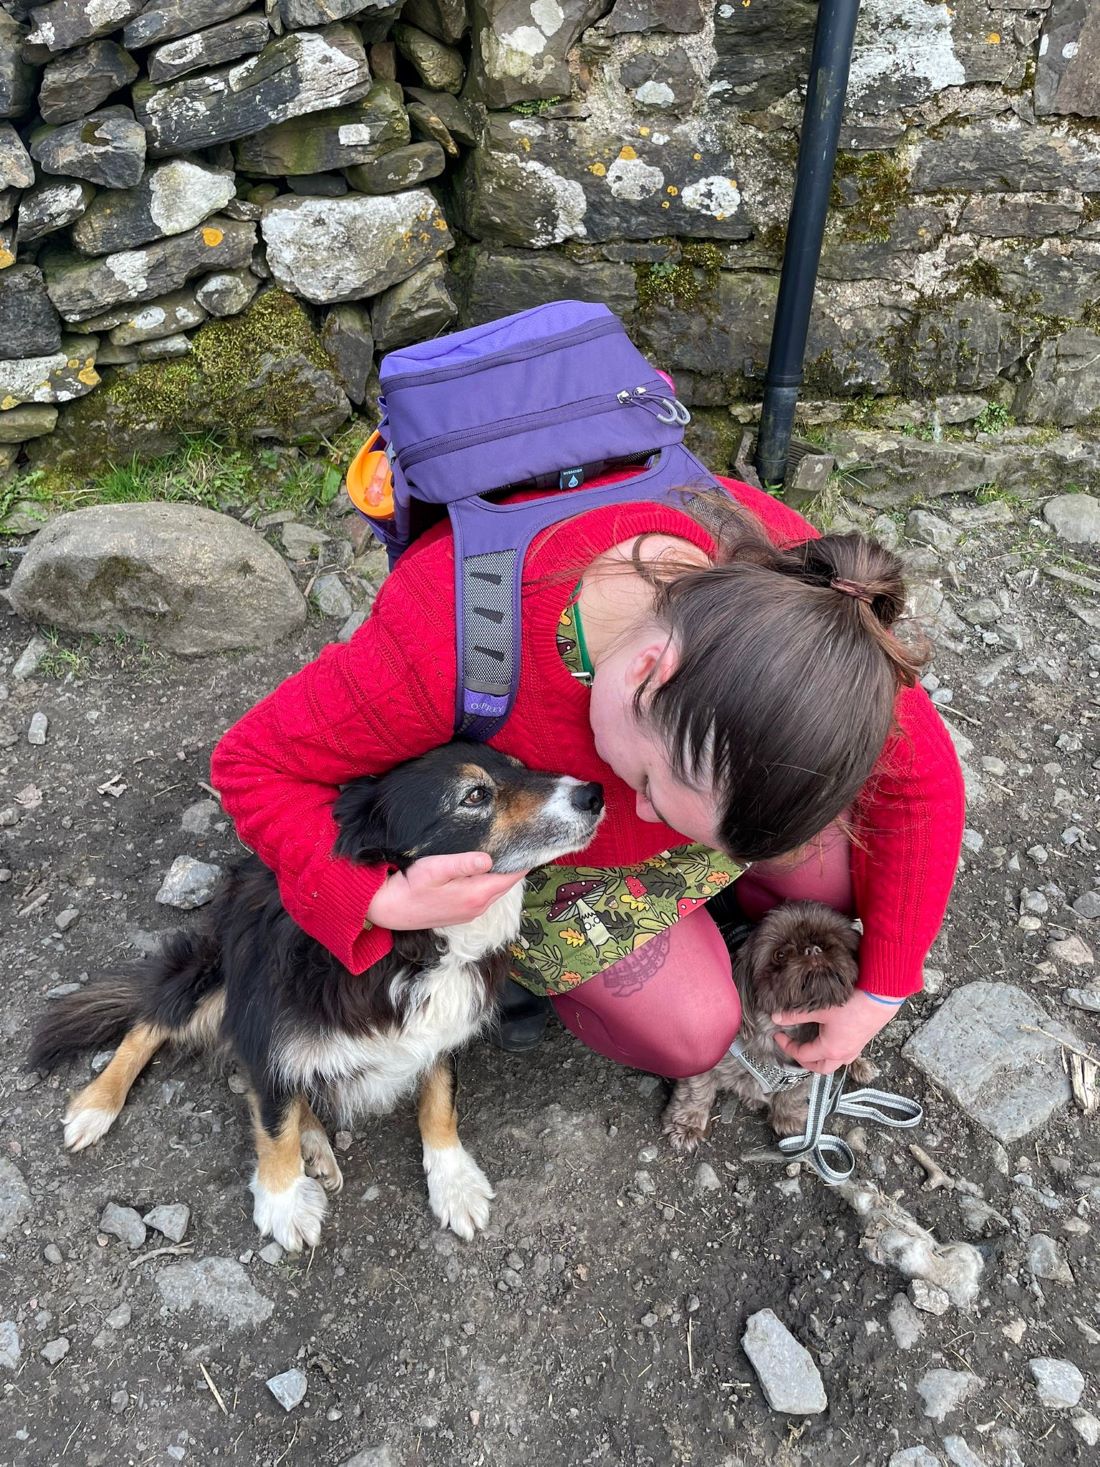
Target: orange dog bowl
(370,481)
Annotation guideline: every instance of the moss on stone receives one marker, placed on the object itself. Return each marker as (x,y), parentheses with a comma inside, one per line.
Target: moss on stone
(689,282)
(1091,210)
(882,186)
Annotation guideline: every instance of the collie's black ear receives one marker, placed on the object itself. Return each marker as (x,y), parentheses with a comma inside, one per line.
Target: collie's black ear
(365,837)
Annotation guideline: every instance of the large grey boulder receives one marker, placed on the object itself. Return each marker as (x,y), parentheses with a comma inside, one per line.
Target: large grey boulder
(183,578)
(64,24)
(343,249)
(77,82)
(1075,517)
(107,148)
(306,71)
(982,1049)
(358,133)
(80,288)
(171,198)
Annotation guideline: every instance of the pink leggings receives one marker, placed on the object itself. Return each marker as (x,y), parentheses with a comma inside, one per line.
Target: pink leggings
(671,1007)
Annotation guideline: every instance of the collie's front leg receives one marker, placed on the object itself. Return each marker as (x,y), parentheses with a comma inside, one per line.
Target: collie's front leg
(458,1190)
(317,1153)
(289,1205)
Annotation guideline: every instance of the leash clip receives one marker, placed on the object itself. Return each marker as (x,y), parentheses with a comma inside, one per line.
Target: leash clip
(771,1078)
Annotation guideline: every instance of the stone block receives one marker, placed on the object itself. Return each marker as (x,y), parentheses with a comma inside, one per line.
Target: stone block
(17,76)
(29,325)
(171,198)
(16,168)
(64,24)
(519,50)
(1062,384)
(1067,74)
(346,337)
(221,43)
(77,82)
(413,310)
(107,148)
(980,1047)
(340,138)
(999,156)
(1031,215)
(401,169)
(51,205)
(51,378)
(447,20)
(163,20)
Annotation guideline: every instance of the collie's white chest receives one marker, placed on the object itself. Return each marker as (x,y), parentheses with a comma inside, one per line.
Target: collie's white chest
(445,1007)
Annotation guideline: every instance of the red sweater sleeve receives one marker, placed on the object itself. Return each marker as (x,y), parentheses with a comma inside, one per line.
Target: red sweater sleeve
(909,817)
(359,708)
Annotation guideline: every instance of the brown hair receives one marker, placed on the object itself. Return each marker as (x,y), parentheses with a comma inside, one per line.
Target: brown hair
(788,670)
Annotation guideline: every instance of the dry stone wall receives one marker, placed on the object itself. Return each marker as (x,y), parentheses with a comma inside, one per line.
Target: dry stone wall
(215,213)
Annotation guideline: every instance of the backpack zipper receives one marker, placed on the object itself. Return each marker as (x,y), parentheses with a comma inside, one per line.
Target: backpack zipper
(574,336)
(507,428)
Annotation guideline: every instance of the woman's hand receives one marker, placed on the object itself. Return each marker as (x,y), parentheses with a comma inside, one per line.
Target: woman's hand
(843,1033)
(439,891)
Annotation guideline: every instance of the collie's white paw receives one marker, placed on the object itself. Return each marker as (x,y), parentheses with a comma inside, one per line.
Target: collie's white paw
(458,1190)
(293,1217)
(320,1160)
(84,1125)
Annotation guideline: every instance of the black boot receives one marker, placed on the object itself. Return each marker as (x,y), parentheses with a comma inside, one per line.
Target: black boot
(521,1018)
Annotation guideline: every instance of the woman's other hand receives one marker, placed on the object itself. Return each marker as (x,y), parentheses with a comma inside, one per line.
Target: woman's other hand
(842,1035)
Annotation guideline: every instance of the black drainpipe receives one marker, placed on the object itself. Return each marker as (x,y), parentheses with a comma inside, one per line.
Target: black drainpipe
(829,64)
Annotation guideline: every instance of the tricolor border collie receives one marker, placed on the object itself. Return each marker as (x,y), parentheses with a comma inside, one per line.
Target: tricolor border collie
(305,1030)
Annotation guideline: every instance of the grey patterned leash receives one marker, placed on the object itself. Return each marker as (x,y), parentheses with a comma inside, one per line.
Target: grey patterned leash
(830,1156)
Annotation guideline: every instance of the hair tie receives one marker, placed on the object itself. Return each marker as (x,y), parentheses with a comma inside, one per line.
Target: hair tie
(853,589)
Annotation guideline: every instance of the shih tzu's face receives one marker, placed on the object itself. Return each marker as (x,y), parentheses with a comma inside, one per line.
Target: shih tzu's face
(802,956)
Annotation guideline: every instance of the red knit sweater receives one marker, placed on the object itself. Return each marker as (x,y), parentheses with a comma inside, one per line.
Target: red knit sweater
(389,694)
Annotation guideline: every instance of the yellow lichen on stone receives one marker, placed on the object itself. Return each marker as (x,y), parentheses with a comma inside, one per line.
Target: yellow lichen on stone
(672,190)
(627,153)
(212,236)
(696,156)
(439,222)
(8,402)
(525,144)
(994,38)
(664,203)
(644,131)
(72,362)
(599,169)
(89,376)
(6,258)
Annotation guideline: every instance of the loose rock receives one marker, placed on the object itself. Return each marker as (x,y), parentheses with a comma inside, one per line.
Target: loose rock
(36,732)
(928,1298)
(171,1219)
(944,1391)
(54,1351)
(906,1325)
(1075,517)
(289,1389)
(786,1371)
(123,1223)
(11,1345)
(1045,1260)
(914,1457)
(15,1199)
(189,883)
(1058,1382)
(216,1287)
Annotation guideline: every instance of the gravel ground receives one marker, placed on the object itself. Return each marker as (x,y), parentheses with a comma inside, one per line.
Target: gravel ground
(600,1318)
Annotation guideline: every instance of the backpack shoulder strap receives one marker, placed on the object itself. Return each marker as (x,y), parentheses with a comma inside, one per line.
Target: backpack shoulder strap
(490,545)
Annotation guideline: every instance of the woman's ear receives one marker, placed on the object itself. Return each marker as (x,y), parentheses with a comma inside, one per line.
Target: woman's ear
(653,662)
(360,812)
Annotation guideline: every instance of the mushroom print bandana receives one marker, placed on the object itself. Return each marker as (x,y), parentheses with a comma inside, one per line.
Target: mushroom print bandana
(579,920)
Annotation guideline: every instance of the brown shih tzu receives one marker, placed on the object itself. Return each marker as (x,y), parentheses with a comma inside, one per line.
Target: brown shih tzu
(801,956)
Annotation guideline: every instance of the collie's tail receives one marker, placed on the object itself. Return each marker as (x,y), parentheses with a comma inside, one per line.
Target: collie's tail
(171,993)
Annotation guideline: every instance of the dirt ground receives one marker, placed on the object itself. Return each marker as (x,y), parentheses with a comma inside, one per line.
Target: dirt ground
(599,1319)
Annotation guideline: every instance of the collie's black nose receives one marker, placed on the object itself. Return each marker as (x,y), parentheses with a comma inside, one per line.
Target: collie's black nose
(587,797)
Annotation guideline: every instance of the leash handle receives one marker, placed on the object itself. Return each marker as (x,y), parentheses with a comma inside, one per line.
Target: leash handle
(830,1156)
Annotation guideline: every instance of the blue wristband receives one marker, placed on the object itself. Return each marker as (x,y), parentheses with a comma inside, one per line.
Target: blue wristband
(894,1003)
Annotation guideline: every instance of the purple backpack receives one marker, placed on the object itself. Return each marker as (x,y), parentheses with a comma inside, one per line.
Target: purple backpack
(544,399)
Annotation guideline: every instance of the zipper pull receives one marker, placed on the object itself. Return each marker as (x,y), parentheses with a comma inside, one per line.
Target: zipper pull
(667,409)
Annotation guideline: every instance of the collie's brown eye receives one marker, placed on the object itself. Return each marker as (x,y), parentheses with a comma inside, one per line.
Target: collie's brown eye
(478,795)
(780,955)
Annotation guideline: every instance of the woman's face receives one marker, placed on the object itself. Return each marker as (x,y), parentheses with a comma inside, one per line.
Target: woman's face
(635,754)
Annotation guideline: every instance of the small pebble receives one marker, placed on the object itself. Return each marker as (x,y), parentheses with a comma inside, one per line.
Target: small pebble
(64,920)
(122,1223)
(55,1351)
(119,1401)
(1088,905)
(289,1389)
(119,1317)
(171,1219)
(36,733)
(928,1298)
(1039,854)
(1059,1382)
(273,1253)
(706,1178)
(52,1253)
